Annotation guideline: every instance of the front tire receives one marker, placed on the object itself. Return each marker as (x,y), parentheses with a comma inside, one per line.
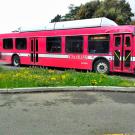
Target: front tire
(16,61)
(101,66)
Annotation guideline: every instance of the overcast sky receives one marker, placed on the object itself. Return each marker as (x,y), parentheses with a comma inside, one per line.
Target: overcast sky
(16,13)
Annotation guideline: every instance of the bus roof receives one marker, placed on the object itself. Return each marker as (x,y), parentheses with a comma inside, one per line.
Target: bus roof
(85,23)
(71,32)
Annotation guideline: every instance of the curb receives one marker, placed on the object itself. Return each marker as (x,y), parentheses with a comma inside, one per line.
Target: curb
(68,89)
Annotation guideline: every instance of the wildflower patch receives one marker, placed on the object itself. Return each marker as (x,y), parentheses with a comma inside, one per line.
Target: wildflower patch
(38,77)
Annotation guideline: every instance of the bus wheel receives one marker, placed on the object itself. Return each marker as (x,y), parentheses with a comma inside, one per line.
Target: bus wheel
(16,61)
(101,66)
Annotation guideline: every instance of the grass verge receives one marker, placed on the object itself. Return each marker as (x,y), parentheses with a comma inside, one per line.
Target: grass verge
(38,77)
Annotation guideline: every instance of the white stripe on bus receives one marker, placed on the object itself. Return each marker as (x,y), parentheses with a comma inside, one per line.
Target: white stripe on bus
(7,54)
(60,56)
(53,56)
(20,54)
(24,54)
(94,57)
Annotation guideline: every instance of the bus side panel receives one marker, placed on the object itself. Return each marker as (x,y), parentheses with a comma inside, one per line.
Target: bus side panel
(64,60)
(66,63)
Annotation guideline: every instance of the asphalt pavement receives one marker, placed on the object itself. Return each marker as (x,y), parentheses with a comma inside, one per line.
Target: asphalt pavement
(70,113)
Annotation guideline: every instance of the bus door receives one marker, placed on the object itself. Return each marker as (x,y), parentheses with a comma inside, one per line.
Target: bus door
(34,50)
(122,53)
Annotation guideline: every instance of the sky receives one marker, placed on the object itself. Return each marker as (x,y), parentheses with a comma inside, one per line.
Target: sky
(34,13)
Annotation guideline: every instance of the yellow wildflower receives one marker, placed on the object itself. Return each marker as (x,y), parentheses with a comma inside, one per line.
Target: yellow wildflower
(53,79)
(63,77)
(50,71)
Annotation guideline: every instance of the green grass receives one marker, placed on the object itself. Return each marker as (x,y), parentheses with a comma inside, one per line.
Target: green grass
(38,77)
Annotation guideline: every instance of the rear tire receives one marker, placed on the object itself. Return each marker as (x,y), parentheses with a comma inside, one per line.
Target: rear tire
(101,66)
(16,61)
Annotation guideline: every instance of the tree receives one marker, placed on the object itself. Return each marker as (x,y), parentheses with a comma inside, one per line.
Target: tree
(133,23)
(87,10)
(72,13)
(57,18)
(117,10)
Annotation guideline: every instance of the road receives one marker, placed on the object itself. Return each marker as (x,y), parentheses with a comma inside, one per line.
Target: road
(74,113)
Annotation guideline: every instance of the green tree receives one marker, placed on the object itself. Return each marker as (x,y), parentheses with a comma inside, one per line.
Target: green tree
(73,10)
(71,15)
(133,22)
(117,10)
(87,10)
(57,18)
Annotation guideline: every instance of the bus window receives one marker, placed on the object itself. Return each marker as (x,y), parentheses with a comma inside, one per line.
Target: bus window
(117,41)
(127,41)
(74,44)
(98,44)
(53,44)
(21,43)
(8,43)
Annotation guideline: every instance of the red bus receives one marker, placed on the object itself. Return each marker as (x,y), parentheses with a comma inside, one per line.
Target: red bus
(100,47)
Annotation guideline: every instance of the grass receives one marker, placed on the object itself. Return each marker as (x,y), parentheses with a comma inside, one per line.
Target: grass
(39,77)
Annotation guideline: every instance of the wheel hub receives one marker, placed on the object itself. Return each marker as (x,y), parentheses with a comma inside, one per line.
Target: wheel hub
(102,68)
